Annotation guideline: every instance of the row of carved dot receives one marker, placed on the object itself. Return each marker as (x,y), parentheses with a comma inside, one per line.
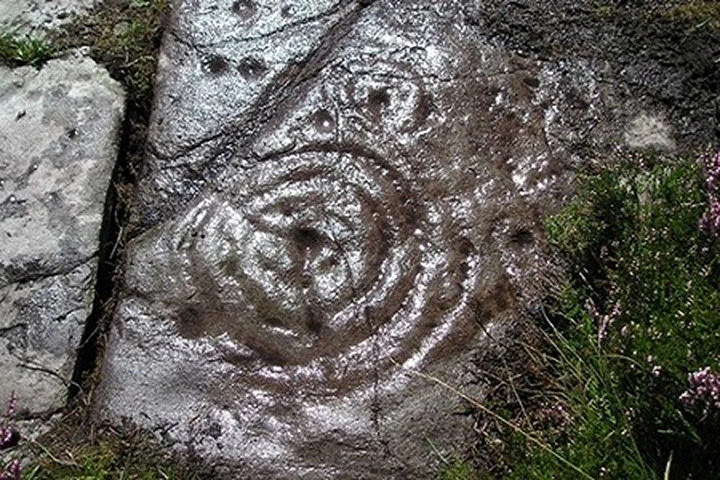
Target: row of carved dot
(249,68)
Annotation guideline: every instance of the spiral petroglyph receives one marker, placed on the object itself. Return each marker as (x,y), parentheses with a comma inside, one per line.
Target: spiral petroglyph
(323,262)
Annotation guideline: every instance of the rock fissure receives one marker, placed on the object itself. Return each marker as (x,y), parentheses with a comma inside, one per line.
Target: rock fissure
(18,277)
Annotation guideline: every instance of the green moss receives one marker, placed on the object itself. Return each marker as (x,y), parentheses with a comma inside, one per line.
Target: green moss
(75,451)
(103,462)
(457,470)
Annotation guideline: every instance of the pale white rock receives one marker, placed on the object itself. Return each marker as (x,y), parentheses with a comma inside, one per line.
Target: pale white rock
(37,16)
(647,131)
(59,128)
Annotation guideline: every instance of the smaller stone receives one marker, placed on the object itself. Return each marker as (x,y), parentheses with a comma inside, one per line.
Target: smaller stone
(36,17)
(649,132)
(59,129)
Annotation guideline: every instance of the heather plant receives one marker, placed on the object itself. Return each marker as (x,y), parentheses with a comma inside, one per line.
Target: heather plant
(703,393)
(9,437)
(632,337)
(710,221)
(639,257)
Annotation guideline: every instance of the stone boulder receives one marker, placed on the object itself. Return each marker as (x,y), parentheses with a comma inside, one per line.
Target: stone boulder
(59,131)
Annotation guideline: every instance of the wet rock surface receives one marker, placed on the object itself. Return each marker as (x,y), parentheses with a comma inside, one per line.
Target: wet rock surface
(36,16)
(336,195)
(58,132)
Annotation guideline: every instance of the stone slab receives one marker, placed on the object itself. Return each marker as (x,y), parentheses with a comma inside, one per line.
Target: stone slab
(59,128)
(337,195)
(37,16)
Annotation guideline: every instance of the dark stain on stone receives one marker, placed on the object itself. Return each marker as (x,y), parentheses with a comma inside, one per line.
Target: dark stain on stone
(577,100)
(274,321)
(378,99)
(21,181)
(496,300)
(465,249)
(287,11)
(190,321)
(217,65)
(312,322)
(245,9)
(424,109)
(306,238)
(531,82)
(214,430)
(251,68)
(421,113)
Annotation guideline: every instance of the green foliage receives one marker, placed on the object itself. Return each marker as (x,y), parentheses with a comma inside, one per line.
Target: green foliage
(105,461)
(457,470)
(16,50)
(696,14)
(641,312)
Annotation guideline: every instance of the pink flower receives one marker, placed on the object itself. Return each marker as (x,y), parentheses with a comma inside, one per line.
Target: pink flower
(710,221)
(704,391)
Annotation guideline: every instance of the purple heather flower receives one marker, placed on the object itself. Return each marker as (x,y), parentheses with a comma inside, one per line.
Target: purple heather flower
(11,409)
(710,221)
(704,391)
(712,167)
(8,433)
(11,471)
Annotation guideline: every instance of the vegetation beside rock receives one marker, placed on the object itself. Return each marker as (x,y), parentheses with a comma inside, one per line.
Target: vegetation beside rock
(631,388)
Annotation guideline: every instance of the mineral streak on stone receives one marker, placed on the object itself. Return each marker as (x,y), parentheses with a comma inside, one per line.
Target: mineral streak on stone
(58,133)
(336,195)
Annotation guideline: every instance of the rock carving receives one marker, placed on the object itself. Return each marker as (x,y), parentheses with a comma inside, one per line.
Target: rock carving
(364,200)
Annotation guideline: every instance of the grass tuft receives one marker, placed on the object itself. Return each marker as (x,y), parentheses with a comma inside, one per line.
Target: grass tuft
(16,51)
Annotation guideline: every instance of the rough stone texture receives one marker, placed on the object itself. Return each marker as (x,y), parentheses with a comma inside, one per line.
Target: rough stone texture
(36,16)
(337,194)
(657,65)
(58,143)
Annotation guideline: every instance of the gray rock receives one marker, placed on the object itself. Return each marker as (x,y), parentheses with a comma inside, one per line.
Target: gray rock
(337,196)
(38,16)
(58,143)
